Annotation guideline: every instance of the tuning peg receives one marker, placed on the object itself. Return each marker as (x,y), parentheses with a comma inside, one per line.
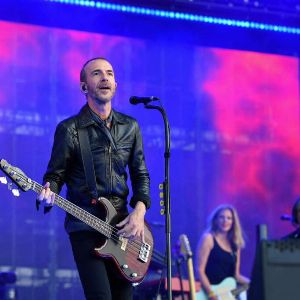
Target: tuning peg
(161,186)
(162,211)
(16,192)
(162,202)
(3,180)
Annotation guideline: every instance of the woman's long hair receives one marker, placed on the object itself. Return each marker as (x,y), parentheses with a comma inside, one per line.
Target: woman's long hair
(235,234)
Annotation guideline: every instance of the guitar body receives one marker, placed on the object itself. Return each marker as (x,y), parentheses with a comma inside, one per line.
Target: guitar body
(124,252)
(222,290)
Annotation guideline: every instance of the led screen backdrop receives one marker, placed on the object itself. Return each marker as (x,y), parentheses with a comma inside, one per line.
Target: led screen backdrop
(234,118)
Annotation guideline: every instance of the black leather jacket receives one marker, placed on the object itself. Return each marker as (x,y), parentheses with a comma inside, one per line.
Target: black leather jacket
(66,167)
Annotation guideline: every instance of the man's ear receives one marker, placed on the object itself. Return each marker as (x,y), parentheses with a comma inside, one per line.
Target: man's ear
(83,87)
(116,85)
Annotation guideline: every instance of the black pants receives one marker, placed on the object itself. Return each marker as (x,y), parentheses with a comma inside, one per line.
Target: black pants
(99,277)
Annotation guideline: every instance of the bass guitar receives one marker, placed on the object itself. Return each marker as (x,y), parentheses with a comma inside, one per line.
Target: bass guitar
(131,257)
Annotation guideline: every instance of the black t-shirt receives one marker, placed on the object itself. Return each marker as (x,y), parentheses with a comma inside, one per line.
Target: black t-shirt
(220,264)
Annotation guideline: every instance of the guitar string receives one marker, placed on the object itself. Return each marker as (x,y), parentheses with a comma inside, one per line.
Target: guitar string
(35,184)
(106,228)
(109,228)
(70,204)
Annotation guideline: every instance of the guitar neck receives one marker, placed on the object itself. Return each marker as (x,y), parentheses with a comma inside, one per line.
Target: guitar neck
(191,278)
(78,212)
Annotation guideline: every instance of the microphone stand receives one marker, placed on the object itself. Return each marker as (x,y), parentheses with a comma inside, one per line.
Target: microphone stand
(166,197)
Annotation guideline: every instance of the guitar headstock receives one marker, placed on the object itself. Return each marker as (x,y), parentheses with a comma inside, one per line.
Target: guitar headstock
(185,247)
(16,175)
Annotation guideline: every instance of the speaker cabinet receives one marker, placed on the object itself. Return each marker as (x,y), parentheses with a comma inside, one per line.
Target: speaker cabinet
(276,271)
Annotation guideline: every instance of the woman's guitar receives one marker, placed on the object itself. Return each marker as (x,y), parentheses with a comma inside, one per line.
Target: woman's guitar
(186,251)
(226,290)
(132,257)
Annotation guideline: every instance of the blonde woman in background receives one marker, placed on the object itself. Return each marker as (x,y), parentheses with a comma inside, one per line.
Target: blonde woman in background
(219,252)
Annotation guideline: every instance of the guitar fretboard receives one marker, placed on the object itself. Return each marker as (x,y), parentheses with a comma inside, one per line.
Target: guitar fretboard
(78,212)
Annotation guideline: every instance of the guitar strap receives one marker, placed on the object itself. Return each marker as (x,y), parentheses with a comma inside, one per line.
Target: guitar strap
(87,160)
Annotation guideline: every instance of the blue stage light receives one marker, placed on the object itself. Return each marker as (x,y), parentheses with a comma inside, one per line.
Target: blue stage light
(181,16)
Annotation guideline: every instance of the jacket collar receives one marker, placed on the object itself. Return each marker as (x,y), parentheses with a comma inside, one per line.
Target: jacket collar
(85,118)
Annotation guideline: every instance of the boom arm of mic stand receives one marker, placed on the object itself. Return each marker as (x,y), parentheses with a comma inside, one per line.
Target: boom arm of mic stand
(166,196)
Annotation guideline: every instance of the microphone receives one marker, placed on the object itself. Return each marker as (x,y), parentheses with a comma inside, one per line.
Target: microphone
(285,217)
(136,100)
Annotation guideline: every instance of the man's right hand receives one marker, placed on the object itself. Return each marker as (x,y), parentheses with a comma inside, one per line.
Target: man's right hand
(46,195)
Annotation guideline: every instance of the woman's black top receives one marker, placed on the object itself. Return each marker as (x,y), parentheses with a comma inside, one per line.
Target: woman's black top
(220,264)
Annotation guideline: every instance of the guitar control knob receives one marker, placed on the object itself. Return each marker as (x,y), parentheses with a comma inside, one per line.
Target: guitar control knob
(133,274)
(125,266)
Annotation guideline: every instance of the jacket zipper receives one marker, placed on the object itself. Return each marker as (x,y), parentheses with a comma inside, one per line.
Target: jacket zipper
(110,168)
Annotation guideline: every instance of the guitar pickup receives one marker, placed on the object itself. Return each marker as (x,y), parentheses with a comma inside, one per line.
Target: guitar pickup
(124,243)
(144,252)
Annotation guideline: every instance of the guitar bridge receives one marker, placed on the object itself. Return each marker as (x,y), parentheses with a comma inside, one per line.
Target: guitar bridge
(144,252)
